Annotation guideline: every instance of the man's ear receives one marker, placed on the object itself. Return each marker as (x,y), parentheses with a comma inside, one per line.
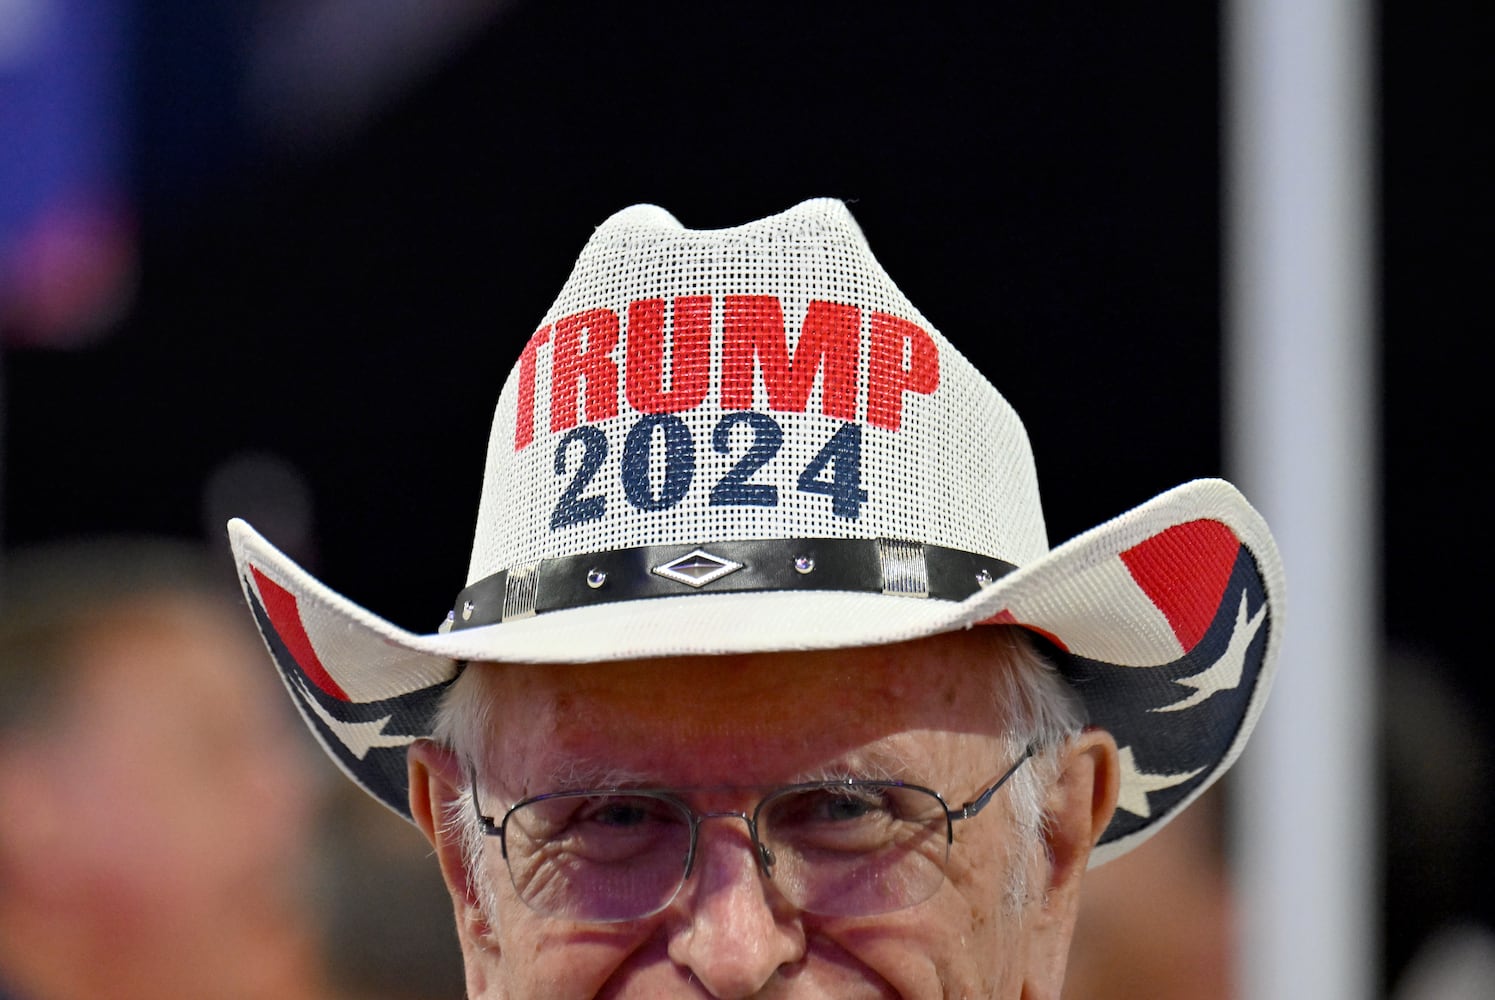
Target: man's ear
(1080,804)
(1076,811)
(436,786)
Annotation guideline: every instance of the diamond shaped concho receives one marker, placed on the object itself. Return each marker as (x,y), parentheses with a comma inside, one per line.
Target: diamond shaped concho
(697,569)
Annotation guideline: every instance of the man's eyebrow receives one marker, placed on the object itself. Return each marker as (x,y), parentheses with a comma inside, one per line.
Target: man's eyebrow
(861,767)
(575,774)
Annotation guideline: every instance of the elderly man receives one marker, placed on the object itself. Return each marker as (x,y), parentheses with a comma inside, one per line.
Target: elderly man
(765,680)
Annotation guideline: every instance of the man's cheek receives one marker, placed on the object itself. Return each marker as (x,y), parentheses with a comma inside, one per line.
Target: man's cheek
(558,961)
(923,952)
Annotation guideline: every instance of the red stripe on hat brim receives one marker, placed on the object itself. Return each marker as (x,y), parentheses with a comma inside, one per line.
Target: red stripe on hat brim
(1184,571)
(285,614)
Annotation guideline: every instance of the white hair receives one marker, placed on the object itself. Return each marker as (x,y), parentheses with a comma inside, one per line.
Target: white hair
(1036,708)
(1042,712)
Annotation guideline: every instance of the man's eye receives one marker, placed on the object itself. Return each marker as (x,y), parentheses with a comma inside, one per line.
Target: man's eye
(841,807)
(619,814)
(829,806)
(625,813)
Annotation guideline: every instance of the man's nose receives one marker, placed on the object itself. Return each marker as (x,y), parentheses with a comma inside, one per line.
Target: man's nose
(735,930)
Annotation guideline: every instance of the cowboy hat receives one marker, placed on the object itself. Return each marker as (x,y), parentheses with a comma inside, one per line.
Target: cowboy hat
(748,439)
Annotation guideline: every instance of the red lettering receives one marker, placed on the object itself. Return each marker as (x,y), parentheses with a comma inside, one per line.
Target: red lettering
(690,355)
(754,327)
(524,418)
(902,358)
(887,377)
(572,360)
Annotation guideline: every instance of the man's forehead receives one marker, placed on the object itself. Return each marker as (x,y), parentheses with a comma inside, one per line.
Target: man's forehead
(740,719)
(934,669)
(914,757)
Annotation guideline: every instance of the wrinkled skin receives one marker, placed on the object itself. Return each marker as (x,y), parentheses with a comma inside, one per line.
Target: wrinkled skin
(923,710)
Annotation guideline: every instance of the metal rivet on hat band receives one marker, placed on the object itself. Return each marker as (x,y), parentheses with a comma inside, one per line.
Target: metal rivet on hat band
(596,578)
(984,578)
(467,608)
(856,565)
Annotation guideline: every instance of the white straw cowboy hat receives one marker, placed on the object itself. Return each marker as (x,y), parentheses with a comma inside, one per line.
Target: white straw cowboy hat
(748,439)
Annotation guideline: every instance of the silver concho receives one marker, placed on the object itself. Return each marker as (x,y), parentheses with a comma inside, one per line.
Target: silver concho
(697,569)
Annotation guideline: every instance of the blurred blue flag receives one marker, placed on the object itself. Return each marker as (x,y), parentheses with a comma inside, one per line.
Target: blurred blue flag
(67,248)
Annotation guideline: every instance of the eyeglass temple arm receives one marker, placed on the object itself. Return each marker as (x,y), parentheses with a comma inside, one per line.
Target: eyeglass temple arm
(491,828)
(977,804)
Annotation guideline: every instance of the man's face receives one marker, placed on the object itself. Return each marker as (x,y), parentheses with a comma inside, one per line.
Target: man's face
(922,712)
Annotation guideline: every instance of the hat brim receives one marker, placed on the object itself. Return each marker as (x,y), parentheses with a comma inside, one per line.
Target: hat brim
(1164,619)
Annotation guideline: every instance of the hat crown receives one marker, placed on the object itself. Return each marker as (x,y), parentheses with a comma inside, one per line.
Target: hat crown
(758,382)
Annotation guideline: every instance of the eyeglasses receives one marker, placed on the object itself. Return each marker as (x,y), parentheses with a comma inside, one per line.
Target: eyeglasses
(834,848)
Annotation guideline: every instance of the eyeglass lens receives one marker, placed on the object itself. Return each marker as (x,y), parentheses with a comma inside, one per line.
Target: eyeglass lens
(598,857)
(834,849)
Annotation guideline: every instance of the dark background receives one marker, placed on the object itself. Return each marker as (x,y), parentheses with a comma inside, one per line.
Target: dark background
(1043,181)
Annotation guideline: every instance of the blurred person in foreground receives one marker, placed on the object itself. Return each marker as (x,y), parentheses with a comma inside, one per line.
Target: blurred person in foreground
(765,681)
(154,815)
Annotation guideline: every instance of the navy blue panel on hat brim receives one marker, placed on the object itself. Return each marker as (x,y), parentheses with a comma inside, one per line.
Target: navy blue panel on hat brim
(368,740)
(1175,724)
